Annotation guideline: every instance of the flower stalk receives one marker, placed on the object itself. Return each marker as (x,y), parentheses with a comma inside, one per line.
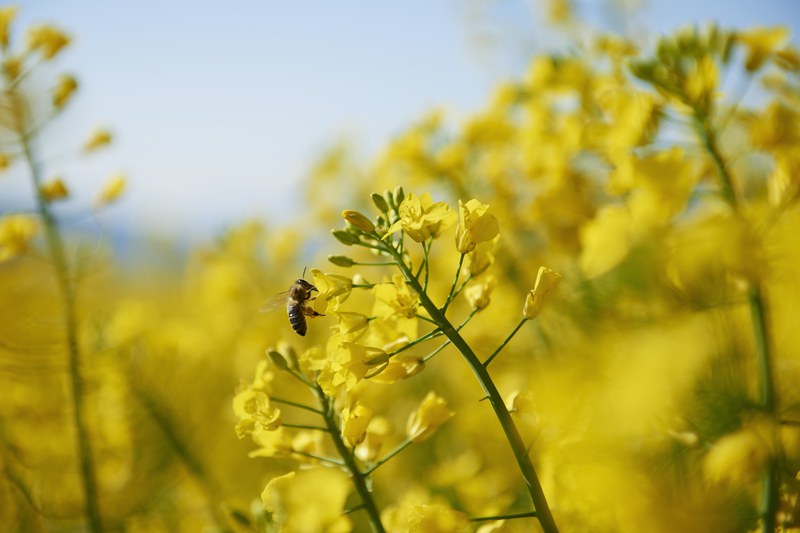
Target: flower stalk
(359,478)
(518,446)
(758,314)
(55,247)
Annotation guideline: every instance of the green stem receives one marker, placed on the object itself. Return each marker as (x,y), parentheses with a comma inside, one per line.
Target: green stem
(317,457)
(461,288)
(55,245)
(430,335)
(453,287)
(770,493)
(426,251)
(296,404)
(359,479)
(304,426)
(402,446)
(529,514)
(501,411)
(500,348)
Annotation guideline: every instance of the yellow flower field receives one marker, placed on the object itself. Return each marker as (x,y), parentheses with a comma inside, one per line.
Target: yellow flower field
(575,311)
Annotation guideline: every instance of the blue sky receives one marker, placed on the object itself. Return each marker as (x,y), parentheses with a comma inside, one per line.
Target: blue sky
(220,108)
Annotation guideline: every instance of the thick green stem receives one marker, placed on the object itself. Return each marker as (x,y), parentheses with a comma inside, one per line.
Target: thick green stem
(55,246)
(359,479)
(758,310)
(501,411)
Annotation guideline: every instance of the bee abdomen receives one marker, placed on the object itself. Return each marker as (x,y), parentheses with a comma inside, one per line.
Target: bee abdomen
(297,318)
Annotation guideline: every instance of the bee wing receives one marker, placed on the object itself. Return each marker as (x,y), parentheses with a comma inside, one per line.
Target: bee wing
(274,302)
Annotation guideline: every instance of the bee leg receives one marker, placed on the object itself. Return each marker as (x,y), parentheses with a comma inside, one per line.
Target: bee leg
(310,312)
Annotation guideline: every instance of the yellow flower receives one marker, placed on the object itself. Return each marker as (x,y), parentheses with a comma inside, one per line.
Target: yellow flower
(47,40)
(16,233)
(7,14)
(546,281)
(401,366)
(66,86)
(421,218)
(255,413)
(762,43)
(431,414)
(475,225)
(113,189)
(359,221)
(97,139)
(378,430)
(308,500)
(275,443)
(12,67)
(417,511)
(333,290)
(352,325)
(54,190)
(5,161)
(355,420)
(480,259)
(701,84)
(479,294)
(395,298)
(346,364)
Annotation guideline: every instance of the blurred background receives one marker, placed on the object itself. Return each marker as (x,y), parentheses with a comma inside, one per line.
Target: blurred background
(219,111)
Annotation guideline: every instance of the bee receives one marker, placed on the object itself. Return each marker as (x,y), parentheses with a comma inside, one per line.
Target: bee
(296,299)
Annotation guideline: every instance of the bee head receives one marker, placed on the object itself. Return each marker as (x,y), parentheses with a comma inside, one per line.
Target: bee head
(306,285)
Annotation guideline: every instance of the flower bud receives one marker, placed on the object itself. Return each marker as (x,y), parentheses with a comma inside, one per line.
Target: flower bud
(358,220)
(380,202)
(341,260)
(345,237)
(277,359)
(546,281)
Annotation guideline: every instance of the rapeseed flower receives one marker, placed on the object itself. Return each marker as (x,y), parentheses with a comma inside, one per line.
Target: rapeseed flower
(63,92)
(355,420)
(395,298)
(421,218)
(98,139)
(475,225)
(47,40)
(761,44)
(334,289)
(7,15)
(54,190)
(112,189)
(255,412)
(308,500)
(429,416)
(16,234)
(546,281)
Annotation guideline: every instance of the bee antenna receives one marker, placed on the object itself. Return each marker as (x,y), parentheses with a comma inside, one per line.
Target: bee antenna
(304,272)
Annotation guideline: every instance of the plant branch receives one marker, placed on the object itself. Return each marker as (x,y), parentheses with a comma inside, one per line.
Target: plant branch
(402,446)
(55,246)
(503,345)
(358,478)
(503,416)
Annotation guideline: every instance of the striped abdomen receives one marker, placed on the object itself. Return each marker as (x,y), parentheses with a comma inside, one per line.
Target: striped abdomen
(297,317)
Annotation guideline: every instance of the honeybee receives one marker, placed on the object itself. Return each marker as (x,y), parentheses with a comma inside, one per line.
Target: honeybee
(296,299)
